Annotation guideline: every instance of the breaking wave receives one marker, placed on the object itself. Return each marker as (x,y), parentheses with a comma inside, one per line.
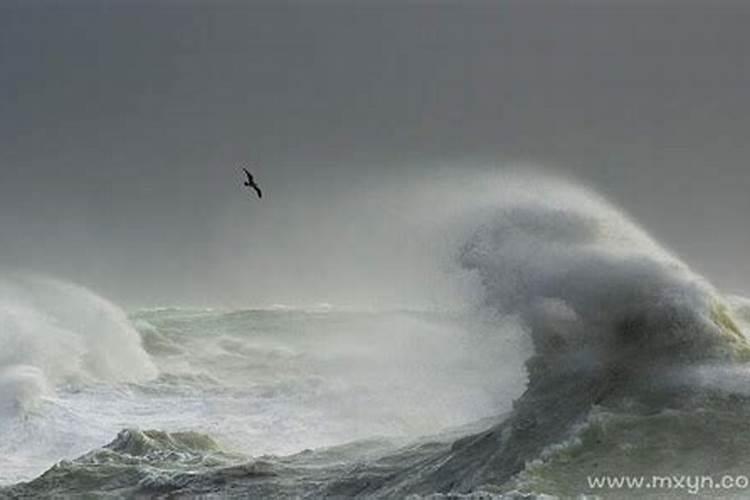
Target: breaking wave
(56,333)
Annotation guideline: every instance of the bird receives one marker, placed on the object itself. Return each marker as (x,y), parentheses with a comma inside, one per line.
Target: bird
(250,182)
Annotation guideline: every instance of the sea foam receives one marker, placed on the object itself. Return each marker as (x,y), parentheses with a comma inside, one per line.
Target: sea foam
(56,333)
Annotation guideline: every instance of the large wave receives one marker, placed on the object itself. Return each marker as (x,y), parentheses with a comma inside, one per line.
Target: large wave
(55,333)
(616,321)
(592,287)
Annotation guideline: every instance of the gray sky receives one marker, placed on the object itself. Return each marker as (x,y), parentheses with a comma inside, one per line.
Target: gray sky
(121,126)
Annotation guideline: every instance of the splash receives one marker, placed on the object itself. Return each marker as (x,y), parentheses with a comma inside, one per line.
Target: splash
(591,287)
(55,333)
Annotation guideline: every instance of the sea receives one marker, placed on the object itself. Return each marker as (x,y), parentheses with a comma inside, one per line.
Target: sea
(590,363)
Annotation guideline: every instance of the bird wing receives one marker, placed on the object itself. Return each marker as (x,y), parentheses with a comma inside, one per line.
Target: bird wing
(257,190)
(249,175)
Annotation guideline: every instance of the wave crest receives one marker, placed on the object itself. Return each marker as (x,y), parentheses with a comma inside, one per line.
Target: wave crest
(56,333)
(593,288)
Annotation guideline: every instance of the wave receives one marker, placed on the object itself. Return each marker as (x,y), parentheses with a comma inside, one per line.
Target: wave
(637,362)
(57,338)
(589,285)
(612,317)
(57,333)
(134,463)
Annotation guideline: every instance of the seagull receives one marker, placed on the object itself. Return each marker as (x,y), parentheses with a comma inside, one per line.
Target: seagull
(250,182)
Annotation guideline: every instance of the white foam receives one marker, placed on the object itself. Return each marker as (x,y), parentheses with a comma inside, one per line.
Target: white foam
(55,333)
(574,267)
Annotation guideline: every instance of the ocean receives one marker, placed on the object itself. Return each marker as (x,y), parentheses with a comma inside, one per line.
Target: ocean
(590,352)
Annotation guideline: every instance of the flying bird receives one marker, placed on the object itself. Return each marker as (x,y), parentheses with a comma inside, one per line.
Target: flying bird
(250,182)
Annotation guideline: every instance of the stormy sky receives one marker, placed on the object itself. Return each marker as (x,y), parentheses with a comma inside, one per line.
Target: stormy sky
(122,126)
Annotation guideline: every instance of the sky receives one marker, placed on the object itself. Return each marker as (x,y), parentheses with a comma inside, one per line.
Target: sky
(123,125)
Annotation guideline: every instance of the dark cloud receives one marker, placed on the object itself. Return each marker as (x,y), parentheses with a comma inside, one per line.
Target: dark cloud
(121,124)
